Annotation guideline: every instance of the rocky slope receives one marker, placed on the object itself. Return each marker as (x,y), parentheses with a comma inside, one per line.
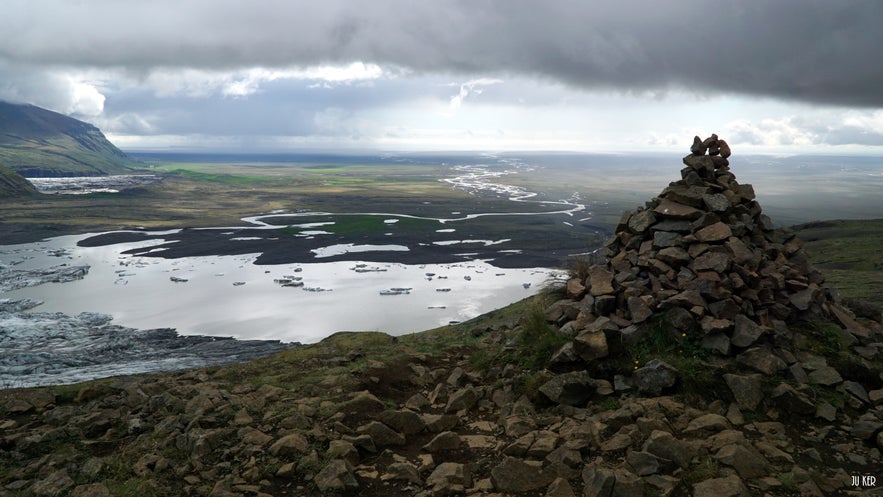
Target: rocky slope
(13,184)
(36,142)
(747,389)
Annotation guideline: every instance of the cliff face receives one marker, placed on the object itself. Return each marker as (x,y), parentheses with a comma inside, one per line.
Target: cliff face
(13,184)
(36,142)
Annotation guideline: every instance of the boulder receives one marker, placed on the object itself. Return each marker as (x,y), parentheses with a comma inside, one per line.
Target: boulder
(516,476)
(656,376)
(336,476)
(574,388)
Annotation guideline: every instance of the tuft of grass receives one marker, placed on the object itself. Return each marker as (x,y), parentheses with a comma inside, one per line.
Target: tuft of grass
(536,340)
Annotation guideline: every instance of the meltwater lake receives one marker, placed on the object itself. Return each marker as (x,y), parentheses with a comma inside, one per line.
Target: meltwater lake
(231,296)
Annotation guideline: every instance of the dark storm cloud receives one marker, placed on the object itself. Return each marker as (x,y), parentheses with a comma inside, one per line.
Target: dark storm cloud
(808,50)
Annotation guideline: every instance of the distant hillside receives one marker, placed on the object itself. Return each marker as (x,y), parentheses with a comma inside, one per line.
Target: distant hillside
(36,142)
(13,184)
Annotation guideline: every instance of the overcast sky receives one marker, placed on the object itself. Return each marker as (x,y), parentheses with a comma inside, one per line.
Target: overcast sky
(777,76)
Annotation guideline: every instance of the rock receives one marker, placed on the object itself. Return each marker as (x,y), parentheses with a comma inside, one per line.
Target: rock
(403,421)
(516,475)
(746,331)
(448,474)
(697,148)
(336,476)
(711,261)
(462,399)
(600,281)
(446,440)
(560,488)
(802,299)
(724,148)
(762,359)
(714,233)
(670,209)
(708,423)
(643,463)
(749,463)
(746,389)
(290,445)
(342,449)
(598,481)
(730,486)
(855,390)
(436,423)
(381,434)
(591,345)
(826,376)
(56,484)
(574,388)
(91,490)
(362,402)
(792,401)
(664,445)
(574,288)
(641,221)
(402,471)
(627,484)
(716,202)
(638,309)
(655,376)
(716,342)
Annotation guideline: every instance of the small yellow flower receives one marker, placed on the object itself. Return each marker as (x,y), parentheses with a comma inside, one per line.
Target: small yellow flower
(683,335)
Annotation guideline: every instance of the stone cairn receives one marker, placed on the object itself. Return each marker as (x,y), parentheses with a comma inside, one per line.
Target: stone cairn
(703,257)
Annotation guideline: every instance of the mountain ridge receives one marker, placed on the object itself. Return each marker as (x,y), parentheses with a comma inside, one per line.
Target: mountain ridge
(37,142)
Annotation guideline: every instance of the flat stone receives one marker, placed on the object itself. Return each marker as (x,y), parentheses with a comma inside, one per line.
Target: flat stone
(670,209)
(662,239)
(687,195)
(711,324)
(675,256)
(711,261)
(826,376)
(714,233)
(600,281)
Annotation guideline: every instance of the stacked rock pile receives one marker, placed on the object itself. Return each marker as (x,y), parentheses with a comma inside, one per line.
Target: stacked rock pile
(703,257)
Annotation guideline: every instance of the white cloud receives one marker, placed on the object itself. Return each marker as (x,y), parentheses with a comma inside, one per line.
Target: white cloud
(472,87)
